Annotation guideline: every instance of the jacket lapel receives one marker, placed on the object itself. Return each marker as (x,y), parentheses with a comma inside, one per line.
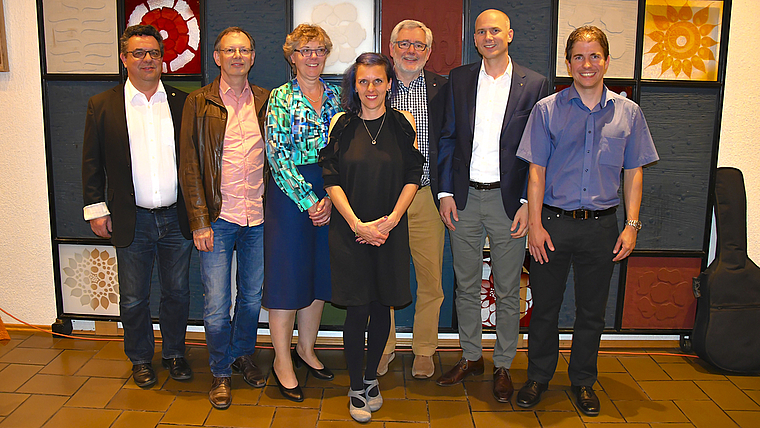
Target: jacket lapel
(120,133)
(470,93)
(515,92)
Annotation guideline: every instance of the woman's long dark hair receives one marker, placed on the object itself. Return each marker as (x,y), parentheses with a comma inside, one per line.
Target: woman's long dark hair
(349,97)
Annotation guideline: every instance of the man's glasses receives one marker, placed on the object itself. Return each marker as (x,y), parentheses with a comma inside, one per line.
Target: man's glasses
(404,44)
(231,51)
(320,52)
(140,54)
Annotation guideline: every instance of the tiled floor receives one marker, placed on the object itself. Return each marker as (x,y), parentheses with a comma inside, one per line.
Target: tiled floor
(62,383)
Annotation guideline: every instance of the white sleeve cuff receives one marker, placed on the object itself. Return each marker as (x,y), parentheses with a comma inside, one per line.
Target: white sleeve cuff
(95,211)
(444,194)
(523,201)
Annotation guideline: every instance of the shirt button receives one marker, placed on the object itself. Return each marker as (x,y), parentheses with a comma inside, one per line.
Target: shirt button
(588,151)
(584,189)
(589,132)
(586,169)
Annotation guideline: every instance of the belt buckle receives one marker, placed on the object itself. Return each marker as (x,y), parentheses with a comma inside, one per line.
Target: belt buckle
(582,217)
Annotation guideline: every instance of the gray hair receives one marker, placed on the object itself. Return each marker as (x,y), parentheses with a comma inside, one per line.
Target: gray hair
(410,24)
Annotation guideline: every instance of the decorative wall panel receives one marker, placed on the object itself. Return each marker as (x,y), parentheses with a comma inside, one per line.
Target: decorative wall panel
(89,279)
(81,36)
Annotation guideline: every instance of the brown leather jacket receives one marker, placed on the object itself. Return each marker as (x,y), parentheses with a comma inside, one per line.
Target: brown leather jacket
(204,120)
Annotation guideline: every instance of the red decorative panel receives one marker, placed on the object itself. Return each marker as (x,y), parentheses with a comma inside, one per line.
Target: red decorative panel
(178,23)
(658,293)
(488,296)
(444,18)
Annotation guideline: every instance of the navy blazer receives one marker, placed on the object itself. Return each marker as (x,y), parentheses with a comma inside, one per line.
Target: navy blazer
(106,160)
(455,144)
(436,92)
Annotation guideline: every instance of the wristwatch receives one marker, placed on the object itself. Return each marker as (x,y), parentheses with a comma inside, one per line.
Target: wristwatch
(635,223)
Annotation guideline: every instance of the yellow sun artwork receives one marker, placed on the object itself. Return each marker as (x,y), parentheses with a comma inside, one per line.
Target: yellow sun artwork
(682,40)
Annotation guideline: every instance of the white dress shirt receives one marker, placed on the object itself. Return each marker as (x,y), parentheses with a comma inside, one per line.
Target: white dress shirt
(490,106)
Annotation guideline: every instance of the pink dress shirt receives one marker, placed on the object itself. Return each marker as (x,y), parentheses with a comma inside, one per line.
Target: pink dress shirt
(242,160)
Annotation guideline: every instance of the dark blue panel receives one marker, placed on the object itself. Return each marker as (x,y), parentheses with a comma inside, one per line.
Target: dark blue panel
(532,23)
(267,22)
(67,108)
(682,123)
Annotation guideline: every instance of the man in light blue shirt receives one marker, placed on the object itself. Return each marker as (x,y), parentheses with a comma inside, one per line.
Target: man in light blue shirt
(577,142)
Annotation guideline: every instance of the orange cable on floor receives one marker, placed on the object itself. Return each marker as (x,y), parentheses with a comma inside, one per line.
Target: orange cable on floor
(96,339)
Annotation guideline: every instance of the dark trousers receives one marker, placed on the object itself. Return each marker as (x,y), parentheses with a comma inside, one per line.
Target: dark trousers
(587,245)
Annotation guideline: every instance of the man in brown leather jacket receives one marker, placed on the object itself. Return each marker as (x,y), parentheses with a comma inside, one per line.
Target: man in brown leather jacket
(222,178)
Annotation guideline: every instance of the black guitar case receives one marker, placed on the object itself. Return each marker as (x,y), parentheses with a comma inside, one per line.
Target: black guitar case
(726,330)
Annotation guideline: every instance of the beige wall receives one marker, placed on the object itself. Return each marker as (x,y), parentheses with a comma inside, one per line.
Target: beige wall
(26,268)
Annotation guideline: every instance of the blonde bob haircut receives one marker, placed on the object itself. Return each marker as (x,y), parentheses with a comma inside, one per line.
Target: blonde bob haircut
(302,35)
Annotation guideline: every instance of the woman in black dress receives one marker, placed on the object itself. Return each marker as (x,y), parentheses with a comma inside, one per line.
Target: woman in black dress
(371,170)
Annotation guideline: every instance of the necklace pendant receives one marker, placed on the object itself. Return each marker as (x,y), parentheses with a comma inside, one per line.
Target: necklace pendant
(374,142)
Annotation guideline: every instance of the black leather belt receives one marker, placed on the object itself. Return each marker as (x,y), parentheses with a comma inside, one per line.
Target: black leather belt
(582,214)
(159,209)
(484,186)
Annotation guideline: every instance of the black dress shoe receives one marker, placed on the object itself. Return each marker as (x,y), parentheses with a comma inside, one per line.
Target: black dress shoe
(530,393)
(292,394)
(251,374)
(178,368)
(586,399)
(323,374)
(143,375)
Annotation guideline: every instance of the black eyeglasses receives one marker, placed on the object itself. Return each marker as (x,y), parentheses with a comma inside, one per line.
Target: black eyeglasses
(231,51)
(308,52)
(140,54)
(404,44)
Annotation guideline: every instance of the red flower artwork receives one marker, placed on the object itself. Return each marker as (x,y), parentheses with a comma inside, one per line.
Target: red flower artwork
(178,23)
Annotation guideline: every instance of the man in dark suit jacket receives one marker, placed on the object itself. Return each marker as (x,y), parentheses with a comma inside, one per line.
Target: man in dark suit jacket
(132,196)
(480,191)
(421,93)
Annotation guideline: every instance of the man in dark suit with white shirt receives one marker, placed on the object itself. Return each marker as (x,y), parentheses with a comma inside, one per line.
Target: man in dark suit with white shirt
(132,196)
(481,184)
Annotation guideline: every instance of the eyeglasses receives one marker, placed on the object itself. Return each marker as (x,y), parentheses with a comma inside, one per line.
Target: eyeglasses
(140,54)
(320,52)
(404,44)
(231,51)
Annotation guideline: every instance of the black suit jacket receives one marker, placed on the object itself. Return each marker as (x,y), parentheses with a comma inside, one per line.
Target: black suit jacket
(107,162)
(455,144)
(436,96)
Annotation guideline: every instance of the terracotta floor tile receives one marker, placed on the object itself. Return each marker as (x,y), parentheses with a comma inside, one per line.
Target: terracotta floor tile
(658,357)
(332,358)
(68,362)
(151,400)
(562,420)
(341,380)
(609,364)
(201,382)
(561,380)
(746,382)
(643,368)
(72,417)
(480,397)
(15,375)
(608,413)
(137,419)
(354,424)
(242,393)
(505,419)
(651,411)
(241,416)
(271,397)
(80,344)
(621,386)
(727,395)
(9,401)
(113,350)
(34,412)
(399,411)
(393,384)
(705,414)
(20,355)
(745,419)
(672,390)
(39,340)
(666,425)
(753,394)
(8,345)
(3,365)
(403,424)
(106,368)
(188,408)
(447,414)
(449,358)
(690,371)
(428,390)
(96,392)
(52,384)
(290,418)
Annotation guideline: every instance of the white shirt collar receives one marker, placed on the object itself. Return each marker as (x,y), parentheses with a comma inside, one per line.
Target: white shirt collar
(135,97)
(507,72)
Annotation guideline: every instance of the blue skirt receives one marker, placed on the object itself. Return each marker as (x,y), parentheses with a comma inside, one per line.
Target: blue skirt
(296,255)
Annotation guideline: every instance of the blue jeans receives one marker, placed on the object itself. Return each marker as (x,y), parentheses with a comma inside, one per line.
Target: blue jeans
(156,234)
(226,341)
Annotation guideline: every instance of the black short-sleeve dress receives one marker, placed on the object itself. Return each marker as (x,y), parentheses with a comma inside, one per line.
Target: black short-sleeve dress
(372,176)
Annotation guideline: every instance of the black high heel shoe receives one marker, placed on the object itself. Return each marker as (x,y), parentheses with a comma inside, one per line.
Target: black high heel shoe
(292,394)
(322,374)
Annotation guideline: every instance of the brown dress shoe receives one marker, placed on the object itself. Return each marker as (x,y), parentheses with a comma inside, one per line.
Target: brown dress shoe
(251,374)
(502,385)
(220,394)
(460,371)
(143,375)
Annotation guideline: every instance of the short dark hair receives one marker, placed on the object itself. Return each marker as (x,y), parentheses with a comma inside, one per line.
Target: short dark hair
(229,30)
(349,97)
(587,33)
(140,30)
